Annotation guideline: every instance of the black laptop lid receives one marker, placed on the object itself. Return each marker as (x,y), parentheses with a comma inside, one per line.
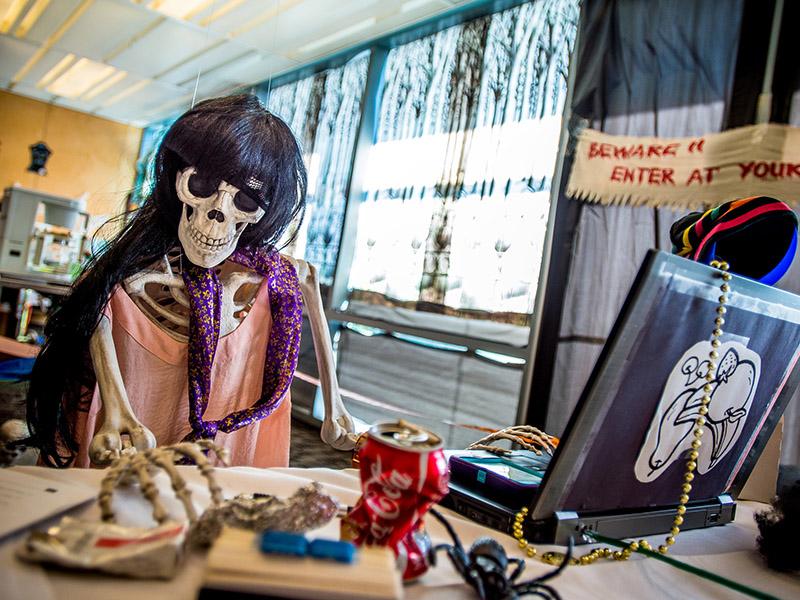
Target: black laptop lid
(626,442)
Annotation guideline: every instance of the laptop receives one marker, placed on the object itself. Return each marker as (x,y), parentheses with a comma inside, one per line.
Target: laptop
(619,466)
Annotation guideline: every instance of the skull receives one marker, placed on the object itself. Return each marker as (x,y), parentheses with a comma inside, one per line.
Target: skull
(215,214)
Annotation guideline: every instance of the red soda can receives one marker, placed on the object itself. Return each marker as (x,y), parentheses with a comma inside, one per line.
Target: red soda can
(403,473)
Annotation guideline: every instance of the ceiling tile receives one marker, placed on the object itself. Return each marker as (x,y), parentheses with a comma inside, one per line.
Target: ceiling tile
(205,62)
(13,54)
(121,20)
(51,19)
(168,44)
(308,21)
(251,69)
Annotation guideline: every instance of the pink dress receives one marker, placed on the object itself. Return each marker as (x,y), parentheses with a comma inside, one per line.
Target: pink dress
(154,370)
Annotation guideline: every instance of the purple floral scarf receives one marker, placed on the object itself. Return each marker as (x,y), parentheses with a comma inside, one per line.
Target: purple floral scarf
(205,299)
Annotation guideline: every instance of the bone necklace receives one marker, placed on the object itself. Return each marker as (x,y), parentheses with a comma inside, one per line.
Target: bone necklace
(556,558)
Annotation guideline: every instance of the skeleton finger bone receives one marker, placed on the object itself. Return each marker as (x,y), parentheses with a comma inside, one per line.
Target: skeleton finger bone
(528,437)
(140,465)
(182,492)
(194,451)
(338,429)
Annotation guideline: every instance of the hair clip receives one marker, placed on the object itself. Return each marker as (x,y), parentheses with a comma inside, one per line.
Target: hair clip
(254,183)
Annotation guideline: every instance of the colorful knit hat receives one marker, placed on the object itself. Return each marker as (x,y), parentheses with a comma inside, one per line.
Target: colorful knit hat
(756,236)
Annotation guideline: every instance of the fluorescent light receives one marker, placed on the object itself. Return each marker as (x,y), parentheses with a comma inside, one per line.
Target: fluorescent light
(79,78)
(49,42)
(339,35)
(127,92)
(179,9)
(102,87)
(13,9)
(60,67)
(413,5)
(30,19)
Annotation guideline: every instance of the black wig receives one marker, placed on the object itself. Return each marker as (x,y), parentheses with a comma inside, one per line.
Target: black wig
(233,139)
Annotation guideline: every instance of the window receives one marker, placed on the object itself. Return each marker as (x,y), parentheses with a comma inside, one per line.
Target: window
(458,185)
(324,112)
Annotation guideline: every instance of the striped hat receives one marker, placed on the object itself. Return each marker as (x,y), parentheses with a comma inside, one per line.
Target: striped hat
(756,236)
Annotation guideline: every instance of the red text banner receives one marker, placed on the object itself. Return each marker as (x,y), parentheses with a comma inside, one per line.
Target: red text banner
(688,172)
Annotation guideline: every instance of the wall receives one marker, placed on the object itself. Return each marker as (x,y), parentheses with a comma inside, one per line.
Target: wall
(90,155)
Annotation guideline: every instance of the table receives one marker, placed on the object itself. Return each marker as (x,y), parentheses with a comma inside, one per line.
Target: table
(729,550)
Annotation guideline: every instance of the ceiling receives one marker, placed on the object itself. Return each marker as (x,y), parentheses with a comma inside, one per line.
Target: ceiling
(137,61)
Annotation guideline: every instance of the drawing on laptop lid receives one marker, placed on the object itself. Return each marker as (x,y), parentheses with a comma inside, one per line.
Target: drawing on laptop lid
(731,389)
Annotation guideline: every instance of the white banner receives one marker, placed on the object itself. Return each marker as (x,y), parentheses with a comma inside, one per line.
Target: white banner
(688,172)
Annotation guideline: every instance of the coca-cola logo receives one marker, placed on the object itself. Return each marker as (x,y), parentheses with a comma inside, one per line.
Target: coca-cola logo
(381,494)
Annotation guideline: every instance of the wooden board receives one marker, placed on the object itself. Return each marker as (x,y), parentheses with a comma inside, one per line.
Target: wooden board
(235,564)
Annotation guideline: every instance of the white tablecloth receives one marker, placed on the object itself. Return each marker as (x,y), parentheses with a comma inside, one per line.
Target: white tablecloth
(729,551)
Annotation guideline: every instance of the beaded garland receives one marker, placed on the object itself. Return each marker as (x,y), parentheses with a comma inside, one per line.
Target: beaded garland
(554,558)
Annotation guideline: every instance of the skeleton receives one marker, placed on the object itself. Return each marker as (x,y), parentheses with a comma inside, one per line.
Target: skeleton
(526,436)
(209,231)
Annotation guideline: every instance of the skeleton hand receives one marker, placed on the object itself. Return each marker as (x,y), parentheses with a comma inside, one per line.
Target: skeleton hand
(118,417)
(338,429)
(107,444)
(339,432)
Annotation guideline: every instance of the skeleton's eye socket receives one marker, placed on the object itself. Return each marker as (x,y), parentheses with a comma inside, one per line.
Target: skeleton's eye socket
(244,202)
(203,186)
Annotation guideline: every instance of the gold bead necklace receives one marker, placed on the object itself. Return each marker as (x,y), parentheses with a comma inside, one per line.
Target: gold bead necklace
(555,558)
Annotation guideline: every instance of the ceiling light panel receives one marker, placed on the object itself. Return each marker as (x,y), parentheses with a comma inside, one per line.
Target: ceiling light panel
(79,78)
(33,14)
(56,70)
(10,12)
(180,9)
(51,19)
(104,26)
(49,60)
(167,45)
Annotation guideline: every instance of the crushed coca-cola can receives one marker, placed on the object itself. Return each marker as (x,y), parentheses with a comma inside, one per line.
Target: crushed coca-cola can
(403,473)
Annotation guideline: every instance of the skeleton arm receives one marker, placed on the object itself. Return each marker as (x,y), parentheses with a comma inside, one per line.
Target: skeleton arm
(338,429)
(117,414)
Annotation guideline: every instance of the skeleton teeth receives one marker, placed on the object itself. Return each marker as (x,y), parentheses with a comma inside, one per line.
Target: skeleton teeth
(214,243)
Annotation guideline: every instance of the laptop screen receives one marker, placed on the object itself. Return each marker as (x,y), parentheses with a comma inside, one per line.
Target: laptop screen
(626,444)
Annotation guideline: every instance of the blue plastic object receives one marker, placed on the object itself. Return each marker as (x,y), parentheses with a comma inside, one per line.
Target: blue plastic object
(344,552)
(280,542)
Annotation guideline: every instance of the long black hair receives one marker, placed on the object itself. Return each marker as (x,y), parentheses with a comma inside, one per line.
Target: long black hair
(234,139)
